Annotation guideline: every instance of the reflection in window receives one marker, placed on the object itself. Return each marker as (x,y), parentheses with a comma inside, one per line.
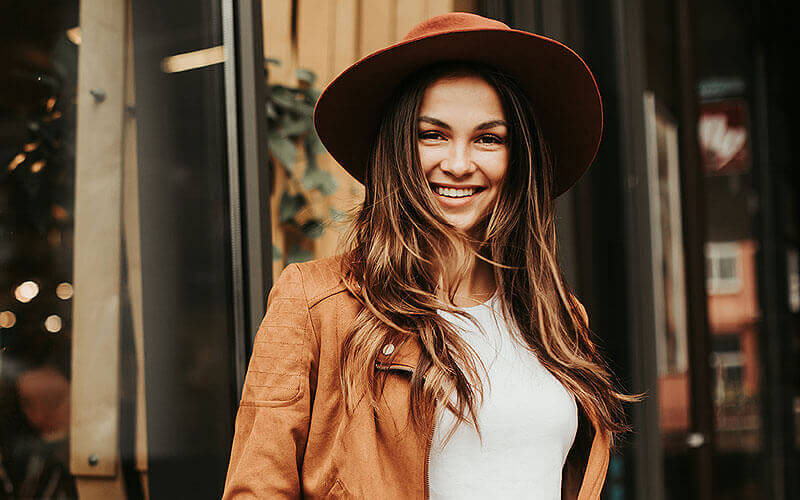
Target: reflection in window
(722,268)
(38,68)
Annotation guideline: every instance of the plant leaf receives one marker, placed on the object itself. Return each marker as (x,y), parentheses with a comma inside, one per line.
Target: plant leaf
(337,214)
(314,145)
(283,149)
(290,205)
(312,228)
(306,76)
(295,128)
(316,178)
(276,252)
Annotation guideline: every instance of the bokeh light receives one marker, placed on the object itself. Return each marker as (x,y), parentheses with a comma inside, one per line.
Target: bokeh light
(53,323)
(7,319)
(64,291)
(26,291)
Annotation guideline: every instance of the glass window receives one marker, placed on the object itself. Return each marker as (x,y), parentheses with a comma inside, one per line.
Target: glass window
(38,71)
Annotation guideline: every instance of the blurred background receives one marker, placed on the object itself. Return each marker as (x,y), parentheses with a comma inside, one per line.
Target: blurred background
(158,168)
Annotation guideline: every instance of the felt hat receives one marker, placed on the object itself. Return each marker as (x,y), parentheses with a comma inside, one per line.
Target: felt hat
(557,81)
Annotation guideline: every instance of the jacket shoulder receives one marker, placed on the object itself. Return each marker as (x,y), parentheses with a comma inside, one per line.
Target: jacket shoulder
(321,278)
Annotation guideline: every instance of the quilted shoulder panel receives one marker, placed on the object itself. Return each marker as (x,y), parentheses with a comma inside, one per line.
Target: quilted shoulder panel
(279,367)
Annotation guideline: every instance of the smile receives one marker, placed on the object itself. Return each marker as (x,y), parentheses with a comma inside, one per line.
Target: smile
(449,192)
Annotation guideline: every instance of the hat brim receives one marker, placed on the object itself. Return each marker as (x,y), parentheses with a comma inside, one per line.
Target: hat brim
(556,80)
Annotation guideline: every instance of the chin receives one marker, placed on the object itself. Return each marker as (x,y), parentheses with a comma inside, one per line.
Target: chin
(465,228)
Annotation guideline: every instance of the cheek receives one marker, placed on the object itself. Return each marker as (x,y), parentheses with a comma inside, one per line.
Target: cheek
(495,168)
(428,158)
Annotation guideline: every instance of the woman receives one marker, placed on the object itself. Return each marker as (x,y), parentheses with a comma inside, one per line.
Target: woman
(384,372)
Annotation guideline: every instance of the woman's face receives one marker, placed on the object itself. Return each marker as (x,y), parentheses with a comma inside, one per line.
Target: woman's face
(463,137)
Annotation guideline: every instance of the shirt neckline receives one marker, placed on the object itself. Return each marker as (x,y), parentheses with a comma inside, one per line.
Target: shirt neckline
(482,305)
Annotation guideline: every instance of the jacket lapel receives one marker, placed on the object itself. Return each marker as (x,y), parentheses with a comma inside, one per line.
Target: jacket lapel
(402,356)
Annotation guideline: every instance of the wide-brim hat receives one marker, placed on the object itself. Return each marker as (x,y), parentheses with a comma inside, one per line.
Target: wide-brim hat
(556,80)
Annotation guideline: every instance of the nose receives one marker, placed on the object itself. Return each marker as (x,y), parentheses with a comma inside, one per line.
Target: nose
(458,162)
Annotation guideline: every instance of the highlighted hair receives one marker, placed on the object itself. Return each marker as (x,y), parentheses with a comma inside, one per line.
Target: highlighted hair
(399,243)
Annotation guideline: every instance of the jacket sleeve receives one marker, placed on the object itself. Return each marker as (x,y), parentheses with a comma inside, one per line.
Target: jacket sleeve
(274,412)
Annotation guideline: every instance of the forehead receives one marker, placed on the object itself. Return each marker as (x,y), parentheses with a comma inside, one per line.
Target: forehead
(462,97)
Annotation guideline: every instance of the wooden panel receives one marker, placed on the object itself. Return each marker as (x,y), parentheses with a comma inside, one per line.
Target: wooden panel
(278,238)
(315,37)
(437,7)
(346,49)
(465,6)
(94,423)
(130,227)
(101,488)
(377,24)
(327,42)
(277,19)
(278,44)
(410,13)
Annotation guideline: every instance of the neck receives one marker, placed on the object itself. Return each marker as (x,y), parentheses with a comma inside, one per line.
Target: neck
(477,286)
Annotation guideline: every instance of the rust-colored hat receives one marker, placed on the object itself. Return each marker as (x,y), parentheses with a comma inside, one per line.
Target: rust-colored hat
(556,80)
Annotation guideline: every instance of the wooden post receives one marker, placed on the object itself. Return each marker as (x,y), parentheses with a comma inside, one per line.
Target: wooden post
(94,423)
(133,254)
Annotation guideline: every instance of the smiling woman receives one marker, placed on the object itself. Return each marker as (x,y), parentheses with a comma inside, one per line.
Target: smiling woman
(384,372)
(462,146)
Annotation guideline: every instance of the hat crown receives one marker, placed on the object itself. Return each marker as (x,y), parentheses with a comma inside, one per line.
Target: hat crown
(454,21)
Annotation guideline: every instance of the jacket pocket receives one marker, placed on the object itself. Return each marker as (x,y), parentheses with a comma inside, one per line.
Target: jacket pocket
(276,373)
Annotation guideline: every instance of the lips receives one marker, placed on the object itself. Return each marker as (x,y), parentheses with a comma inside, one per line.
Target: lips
(477,189)
(434,185)
(456,203)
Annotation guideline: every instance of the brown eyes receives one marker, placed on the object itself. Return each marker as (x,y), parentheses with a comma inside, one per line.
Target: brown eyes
(491,139)
(433,135)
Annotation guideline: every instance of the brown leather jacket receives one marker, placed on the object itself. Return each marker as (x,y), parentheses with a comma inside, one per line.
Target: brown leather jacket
(292,436)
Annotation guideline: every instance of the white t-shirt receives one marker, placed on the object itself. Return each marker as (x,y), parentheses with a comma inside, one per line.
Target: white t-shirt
(528,421)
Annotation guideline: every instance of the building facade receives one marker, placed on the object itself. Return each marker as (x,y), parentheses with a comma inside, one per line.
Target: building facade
(150,193)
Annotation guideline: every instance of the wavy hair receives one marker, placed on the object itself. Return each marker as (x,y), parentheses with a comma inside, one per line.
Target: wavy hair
(398,245)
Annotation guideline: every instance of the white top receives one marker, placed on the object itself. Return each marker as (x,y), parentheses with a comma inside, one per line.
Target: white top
(528,421)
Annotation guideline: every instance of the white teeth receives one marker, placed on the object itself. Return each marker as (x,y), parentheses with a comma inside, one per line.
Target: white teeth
(455,193)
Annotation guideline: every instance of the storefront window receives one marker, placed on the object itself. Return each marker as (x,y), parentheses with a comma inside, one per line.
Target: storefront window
(38,71)
(115,240)
(732,287)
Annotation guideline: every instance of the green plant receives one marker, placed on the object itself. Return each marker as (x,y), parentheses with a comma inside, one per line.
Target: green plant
(291,129)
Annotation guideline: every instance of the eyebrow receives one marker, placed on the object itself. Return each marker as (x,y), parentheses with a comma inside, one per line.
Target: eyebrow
(482,126)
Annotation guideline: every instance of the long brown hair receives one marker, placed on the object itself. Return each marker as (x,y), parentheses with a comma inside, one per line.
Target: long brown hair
(399,243)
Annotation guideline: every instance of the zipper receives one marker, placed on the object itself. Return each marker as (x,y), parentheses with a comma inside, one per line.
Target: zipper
(429,437)
(428,459)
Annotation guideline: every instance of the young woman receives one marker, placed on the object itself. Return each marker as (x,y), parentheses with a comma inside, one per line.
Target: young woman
(441,355)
